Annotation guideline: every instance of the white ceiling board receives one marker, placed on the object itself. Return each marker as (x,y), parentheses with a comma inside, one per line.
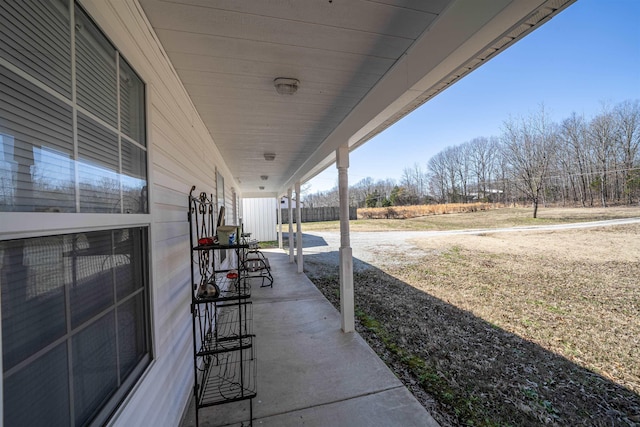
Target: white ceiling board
(221,48)
(432,6)
(326,74)
(362,65)
(389,19)
(247,26)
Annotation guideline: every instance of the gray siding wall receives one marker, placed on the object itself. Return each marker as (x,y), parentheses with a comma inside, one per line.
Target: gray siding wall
(181,154)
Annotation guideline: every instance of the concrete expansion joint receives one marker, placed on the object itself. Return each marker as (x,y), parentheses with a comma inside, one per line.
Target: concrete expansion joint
(333,402)
(276,299)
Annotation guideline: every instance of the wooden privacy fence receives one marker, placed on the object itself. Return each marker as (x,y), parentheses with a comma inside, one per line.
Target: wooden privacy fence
(318,214)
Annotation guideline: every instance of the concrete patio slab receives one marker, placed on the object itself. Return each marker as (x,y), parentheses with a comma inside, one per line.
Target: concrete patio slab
(309,371)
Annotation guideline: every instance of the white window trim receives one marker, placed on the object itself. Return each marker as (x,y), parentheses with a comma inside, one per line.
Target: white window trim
(20,225)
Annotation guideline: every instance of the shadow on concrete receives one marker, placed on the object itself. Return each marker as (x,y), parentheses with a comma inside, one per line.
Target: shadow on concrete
(308,372)
(478,373)
(308,240)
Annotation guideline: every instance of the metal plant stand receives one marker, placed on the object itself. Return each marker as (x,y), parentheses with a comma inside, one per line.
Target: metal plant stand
(224,358)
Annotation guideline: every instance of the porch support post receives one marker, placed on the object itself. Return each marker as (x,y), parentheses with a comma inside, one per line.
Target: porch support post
(346,255)
(299,229)
(279,215)
(290,210)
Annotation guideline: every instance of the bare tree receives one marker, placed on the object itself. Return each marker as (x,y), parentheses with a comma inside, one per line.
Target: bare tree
(534,159)
(361,190)
(574,137)
(414,181)
(527,147)
(451,162)
(438,177)
(483,152)
(602,135)
(627,115)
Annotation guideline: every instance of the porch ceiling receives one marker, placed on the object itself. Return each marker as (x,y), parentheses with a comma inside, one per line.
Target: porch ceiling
(362,65)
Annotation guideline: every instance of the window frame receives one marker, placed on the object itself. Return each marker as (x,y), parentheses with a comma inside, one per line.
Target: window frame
(78,110)
(22,225)
(110,406)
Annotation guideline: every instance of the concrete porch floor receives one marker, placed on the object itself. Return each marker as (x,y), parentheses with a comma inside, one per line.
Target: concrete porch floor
(309,372)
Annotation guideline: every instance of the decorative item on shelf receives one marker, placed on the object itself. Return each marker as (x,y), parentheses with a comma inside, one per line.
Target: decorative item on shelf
(233,274)
(208,290)
(227,234)
(204,241)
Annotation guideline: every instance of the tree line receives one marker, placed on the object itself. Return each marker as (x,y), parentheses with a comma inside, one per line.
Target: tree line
(582,162)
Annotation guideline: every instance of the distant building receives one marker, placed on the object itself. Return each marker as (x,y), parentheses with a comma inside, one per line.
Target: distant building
(284,203)
(259,217)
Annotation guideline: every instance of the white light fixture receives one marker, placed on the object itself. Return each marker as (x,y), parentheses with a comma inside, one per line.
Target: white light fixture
(261,187)
(264,177)
(286,86)
(270,157)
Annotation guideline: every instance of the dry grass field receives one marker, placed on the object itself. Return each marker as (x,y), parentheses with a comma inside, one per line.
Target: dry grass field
(511,329)
(490,218)
(405,212)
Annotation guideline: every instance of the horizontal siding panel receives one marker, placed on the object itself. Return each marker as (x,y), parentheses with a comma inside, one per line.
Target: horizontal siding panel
(181,154)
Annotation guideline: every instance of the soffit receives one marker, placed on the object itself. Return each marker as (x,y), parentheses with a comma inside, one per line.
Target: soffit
(349,56)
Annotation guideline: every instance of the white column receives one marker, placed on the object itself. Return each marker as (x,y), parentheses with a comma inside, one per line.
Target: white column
(279,214)
(346,255)
(290,210)
(299,228)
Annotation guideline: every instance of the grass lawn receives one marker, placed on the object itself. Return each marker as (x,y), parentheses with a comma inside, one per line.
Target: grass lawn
(496,218)
(509,329)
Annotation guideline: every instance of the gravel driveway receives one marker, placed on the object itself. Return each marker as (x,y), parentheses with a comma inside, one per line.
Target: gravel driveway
(378,248)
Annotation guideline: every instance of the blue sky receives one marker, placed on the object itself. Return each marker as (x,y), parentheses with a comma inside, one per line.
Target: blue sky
(587,56)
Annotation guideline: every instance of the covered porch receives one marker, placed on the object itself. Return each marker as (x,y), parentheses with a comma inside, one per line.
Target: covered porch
(287,90)
(241,99)
(309,372)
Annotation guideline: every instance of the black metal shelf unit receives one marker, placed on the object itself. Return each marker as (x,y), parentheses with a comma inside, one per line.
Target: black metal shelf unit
(224,357)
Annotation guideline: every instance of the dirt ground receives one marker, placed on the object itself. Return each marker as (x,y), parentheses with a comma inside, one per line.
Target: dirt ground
(498,329)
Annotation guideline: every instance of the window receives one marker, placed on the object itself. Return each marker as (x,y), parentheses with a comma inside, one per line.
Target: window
(74,324)
(36,133)
(36,38)
(75,302)
(57,154)
(221,208)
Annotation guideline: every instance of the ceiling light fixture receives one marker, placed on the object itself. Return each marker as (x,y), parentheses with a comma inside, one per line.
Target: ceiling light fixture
(261,187)
(270,157)
(286,86)
(264,177)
